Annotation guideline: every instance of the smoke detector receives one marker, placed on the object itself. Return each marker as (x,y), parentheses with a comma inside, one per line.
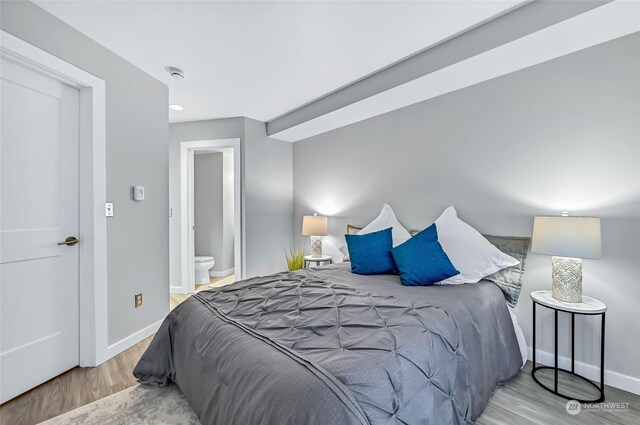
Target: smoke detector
(176,73)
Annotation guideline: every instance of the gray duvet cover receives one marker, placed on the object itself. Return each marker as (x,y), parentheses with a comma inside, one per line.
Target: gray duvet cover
(325,346)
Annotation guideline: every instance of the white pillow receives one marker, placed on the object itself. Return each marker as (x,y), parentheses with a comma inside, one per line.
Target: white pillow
(328,248)
(345,253)
(387,219)
(469,252)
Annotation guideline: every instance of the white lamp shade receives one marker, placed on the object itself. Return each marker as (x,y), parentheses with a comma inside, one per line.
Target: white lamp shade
(314,225)
(577,237)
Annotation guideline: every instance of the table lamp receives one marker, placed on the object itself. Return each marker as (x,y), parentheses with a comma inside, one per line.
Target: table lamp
(315,226)
(568,240)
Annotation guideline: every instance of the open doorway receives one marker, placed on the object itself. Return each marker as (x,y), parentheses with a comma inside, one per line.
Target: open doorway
(211,218)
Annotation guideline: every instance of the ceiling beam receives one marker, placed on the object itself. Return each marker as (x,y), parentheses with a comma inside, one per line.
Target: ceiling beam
(519,22)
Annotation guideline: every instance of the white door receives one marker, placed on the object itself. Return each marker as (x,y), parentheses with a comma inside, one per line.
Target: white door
(39,290)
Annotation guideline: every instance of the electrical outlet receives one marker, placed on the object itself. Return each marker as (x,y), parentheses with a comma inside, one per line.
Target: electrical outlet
(109,209)
(138,300)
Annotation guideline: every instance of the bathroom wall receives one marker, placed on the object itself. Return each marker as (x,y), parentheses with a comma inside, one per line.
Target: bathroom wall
(213,208)
(208,219)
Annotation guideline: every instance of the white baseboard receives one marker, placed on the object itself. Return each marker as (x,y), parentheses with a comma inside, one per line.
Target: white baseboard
(177,290)
(131,340)
(223,273)
(611,378)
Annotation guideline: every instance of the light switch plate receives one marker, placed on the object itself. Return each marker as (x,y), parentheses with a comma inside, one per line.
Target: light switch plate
(138,193)
(109,209)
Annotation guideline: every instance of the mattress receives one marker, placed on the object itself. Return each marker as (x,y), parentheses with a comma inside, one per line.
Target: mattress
(325,346)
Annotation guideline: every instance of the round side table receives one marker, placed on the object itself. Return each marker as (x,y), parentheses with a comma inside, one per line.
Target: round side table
(589,306)
(308,259)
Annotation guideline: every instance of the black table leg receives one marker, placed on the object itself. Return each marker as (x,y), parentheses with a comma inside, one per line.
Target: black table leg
(555,356)
(573,342)
(602,360)
(534,336)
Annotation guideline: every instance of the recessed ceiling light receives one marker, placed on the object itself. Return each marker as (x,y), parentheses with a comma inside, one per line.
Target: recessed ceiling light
(176,107)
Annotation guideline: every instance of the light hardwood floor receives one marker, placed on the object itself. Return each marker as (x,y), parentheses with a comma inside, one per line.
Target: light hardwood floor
(523,402)
(518,402)
(74,388)
(216,282)
(80,386)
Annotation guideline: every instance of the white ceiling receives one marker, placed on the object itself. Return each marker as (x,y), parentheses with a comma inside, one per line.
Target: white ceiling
(262,59)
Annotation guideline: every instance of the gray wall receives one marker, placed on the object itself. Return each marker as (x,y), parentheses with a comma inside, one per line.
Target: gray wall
(268,199)
(136,137)
(213,208)
(268,190)
(208,213)
(563,135)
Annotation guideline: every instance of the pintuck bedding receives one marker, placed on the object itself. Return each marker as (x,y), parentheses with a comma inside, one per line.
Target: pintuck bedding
(326,346)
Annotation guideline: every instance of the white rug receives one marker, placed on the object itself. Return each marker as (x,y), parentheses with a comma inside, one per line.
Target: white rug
(136,405)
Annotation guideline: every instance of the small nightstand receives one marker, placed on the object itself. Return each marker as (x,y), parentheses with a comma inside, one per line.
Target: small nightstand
(318,260)
(588,306)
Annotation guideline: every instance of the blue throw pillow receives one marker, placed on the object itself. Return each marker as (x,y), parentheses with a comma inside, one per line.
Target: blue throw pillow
(371,253)
(422,261)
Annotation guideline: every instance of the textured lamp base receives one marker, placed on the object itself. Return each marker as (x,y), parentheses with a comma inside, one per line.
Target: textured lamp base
(316,246)
(566,276)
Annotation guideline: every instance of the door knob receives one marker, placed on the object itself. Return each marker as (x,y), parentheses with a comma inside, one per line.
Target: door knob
(70,241)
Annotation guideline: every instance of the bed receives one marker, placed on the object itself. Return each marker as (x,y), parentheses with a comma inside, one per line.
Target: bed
(326,346)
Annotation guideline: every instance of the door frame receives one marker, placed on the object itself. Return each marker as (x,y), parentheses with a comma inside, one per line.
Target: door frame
(187,151)
(92,314)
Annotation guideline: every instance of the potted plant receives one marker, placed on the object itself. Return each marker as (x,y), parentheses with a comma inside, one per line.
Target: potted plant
(295,258)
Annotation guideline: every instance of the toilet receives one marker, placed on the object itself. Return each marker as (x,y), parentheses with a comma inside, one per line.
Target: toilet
(202,266)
